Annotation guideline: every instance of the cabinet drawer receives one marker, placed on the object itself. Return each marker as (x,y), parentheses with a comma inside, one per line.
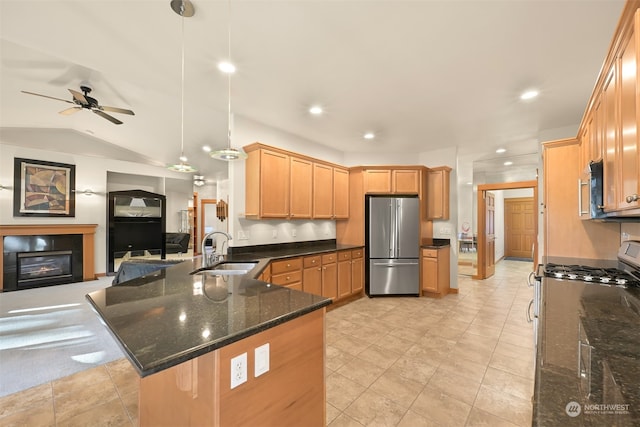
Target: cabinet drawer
(430,253)
(287,278)
(344,255)
(329,258)
(285,265)
(357,253)
(312,261)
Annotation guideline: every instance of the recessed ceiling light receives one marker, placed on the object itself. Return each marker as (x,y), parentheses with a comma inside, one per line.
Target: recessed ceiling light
(508,163)
(226,67)
(501,150)
(530,94)
(469,183)
(316,110)
(206,148)
(369,135)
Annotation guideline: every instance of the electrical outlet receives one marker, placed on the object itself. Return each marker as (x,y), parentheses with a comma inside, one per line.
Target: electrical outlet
(445,231)
(261,360)
(274,234)
(294,233)
(238,370)
(242,235)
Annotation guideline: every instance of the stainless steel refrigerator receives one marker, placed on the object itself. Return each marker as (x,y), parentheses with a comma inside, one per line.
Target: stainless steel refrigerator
(392,245)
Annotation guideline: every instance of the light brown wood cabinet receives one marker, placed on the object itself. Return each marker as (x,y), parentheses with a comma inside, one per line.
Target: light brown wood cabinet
(287,272)
(357,271)
(312,274)
(344,274)
(392,181)
(282,184)
(438,193)
(330,276)
(300,188)
(435,275)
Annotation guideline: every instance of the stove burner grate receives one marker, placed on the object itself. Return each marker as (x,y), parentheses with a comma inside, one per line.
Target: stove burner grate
(604,276)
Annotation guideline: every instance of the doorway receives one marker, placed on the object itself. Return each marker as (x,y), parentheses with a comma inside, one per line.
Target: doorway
(486,235)
(519,228)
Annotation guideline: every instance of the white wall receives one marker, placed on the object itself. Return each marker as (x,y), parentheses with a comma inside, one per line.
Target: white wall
(91,173)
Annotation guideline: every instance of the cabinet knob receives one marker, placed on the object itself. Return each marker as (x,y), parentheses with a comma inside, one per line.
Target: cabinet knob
(313,261)
(288,265)
(632,198)
(288,277)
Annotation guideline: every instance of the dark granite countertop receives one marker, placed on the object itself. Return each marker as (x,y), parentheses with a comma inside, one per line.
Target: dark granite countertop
(434,243)
(169,316)
(601,326)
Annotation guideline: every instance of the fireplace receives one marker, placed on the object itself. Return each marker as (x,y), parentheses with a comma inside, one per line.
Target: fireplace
(45,255)
(43,268)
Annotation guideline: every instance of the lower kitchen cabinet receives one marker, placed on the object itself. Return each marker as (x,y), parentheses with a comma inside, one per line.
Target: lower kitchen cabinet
(435,276)
(330,276)
(312,274)
(287,273)
(357,271)
(344,274)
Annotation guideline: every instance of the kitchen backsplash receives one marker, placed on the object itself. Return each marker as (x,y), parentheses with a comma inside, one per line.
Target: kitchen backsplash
(630,231)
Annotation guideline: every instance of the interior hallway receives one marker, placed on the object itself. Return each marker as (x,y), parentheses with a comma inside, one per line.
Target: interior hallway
(463,360)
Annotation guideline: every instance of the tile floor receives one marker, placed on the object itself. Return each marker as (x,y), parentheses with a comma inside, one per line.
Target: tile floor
(463,360)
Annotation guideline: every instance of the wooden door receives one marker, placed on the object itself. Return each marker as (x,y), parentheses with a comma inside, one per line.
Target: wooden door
(519,227)
(490,233)
(322,191)
(300,188)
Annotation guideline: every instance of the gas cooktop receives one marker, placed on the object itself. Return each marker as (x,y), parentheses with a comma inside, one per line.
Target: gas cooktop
(627,274)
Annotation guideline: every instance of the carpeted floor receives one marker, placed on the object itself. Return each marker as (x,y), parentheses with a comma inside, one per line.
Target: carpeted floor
(49,333)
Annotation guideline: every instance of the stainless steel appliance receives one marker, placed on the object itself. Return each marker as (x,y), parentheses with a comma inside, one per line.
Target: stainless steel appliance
(392,245)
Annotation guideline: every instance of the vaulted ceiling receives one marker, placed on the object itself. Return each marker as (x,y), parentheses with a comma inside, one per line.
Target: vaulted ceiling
(422,75)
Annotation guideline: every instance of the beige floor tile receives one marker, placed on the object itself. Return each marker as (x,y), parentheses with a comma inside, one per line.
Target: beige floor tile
(518,366)
(504,405)
(336,358)
(351,345)
(484,330)
(361,371)
(411,419)
(332,413)
(433,356)
(480,418)
(78,383)
(397,388)
(414,368)
(69,404)
(39,414)
(471,353)
(509,383)
(373,409)
(32,397)
(408,334)
(379,356)
(472,370)
(130,402)
(458,386)
(341,391)
(394,343)
(440,408)
(343,420)
(110,413)
(525,341)
(515,351)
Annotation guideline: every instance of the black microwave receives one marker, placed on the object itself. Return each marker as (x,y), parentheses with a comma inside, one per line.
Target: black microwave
(591,192)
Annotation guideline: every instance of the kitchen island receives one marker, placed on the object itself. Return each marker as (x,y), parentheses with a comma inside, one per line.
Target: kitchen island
(219,349)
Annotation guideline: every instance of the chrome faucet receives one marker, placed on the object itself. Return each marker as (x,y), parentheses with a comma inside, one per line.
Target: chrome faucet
(208,260)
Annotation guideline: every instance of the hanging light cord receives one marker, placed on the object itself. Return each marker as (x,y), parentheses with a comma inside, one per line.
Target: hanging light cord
(229,75)
(182,9)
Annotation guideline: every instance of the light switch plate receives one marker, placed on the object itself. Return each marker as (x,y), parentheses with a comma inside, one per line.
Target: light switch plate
(261,360)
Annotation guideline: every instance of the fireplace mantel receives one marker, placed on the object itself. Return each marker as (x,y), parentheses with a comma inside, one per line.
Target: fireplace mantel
(88,232)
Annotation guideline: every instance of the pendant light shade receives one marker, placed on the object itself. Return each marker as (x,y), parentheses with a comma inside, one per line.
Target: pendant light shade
(229,153)
(184,8)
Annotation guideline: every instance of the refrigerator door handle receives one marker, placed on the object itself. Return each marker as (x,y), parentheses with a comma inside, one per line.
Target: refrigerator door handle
(392,240)
(396,229)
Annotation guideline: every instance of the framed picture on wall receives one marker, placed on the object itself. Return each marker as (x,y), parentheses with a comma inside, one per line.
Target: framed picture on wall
(43,188)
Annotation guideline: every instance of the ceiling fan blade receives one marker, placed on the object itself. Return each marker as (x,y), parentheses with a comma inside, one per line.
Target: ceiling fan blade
(70,111)
(108,117)
(46,96)
(117,110)
(78,96)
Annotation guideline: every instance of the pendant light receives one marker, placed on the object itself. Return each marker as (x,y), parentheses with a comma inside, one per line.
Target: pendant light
(228,153)
(184,8)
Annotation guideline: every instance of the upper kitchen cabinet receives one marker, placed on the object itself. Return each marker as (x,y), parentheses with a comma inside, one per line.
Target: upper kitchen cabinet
(267,183)
(283,184)
(392,180)
(330,192)
(438,193)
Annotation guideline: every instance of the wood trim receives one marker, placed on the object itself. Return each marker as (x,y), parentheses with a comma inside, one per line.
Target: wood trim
(203,204)
(88,232)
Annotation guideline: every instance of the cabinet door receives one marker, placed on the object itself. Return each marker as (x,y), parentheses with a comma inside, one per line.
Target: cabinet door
(300,188)
(628,165)
(357,271)
(610,140)
(274,184)
(344,274)
(377,181)
(312,274)
(406,181)
(340,193)
(438,194)
(322,191)
(329,276)
(430,274)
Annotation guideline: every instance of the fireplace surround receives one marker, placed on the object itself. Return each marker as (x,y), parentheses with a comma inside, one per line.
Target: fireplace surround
(45,255)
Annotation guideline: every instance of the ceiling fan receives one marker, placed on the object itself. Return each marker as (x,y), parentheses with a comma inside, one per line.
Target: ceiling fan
(84,101)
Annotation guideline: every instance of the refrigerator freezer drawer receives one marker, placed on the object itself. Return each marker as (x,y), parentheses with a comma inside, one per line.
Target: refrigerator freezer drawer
(394,277)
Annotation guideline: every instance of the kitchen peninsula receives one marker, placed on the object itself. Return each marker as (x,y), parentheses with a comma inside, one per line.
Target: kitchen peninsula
(219,349)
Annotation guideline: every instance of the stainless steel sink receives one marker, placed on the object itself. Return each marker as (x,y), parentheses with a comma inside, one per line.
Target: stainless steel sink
(228,267)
